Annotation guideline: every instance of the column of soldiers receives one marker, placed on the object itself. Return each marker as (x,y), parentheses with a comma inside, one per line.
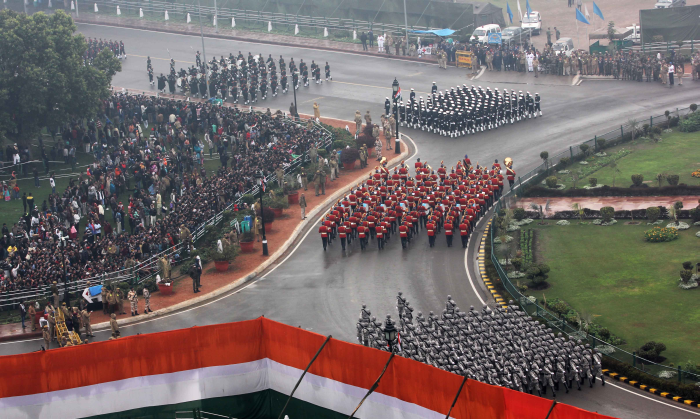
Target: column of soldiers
(439,200)
(467,110)
(239,78)
(95,46)
(503,346)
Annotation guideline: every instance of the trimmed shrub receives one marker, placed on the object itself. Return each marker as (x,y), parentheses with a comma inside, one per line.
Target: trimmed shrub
(687,265)
(607,213)
(551,182)
(601,144)
(564,161)
(691,123)
(660,235)
(604,333)
(693,107)
(593,182)
(537,273)
(695,214)
(651,351)
(349,155)
(653,214)
(269,214)
(584,148)
(656,130)
(519,213)
(672,179)
(637,180)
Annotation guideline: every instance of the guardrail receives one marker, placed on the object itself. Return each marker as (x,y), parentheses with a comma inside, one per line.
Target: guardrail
(149,268)
(533,308)
(665,46)
(224,16)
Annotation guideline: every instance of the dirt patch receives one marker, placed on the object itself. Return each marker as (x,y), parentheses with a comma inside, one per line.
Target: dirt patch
(539,287)
(632,223)
(639,325)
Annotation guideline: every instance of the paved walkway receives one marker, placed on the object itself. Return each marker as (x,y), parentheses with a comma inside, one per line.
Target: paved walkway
(619,203)
(241,35)
(244,265)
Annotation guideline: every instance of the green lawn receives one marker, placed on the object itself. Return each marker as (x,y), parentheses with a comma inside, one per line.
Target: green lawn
(625,283)
(676,154)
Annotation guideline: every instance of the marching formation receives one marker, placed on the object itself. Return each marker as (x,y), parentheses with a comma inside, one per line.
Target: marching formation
(97,45)
(467,110)
(503,346)
(238,77)
(435,200)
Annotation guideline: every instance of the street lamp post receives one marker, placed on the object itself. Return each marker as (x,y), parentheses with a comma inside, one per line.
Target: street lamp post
(259,178)
(397,142)
(390,332)
(296,108)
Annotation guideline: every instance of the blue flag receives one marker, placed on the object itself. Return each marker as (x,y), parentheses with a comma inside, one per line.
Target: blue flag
(597,11)
(527,7)
(581,18)
(510,12)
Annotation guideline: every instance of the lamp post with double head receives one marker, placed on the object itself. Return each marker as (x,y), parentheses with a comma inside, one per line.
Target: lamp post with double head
(395,88)
(260,179)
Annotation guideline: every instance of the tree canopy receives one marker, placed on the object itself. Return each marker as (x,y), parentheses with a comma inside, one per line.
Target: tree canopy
(44,80)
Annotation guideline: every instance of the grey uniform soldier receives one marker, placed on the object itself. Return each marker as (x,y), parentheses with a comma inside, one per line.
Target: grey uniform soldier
(313,153)
(147,300)
(85,315)
(134,300)
(597,368)
(320,182)
(561,374)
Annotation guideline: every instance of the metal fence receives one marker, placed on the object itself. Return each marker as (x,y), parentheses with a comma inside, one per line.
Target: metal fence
(149,267)
(247,19)
(535,176)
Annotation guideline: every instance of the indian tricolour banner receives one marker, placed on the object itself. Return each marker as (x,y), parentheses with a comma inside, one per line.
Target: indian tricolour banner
(247,361)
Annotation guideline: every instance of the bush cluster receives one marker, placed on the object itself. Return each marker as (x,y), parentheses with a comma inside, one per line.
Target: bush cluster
(519,213)
(691,123)
(607,213)
(653,214)
(660,234)
(551,182)
(687,391)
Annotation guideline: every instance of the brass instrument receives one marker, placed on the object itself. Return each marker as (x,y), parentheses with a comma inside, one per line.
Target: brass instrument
(508,162)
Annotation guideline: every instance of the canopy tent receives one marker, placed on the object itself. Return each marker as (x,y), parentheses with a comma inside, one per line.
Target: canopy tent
(485,14)
(603,33)
(438,32)
(670,25)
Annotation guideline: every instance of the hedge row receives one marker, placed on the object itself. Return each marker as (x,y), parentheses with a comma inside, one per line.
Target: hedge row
(542,192)
(687,391)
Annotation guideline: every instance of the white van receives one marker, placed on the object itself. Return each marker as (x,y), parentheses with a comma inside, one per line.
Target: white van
(481,34)
(533,22)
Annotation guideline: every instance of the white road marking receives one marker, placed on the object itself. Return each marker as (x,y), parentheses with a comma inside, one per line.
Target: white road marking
(653,399)
(466,268)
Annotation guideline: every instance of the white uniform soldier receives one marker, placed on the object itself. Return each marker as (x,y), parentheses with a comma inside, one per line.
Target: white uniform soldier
(147,299)
(134,300)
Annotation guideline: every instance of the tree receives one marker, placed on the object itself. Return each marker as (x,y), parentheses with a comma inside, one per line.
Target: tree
(615,170)
(578,209)
(611,31)
(545,158)
(43,79)
(633,123)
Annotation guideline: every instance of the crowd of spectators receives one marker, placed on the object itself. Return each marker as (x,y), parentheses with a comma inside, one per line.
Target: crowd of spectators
(152,180)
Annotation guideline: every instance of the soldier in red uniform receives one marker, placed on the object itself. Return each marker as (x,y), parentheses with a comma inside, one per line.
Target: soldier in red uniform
(510,173)
(379,231)
(403,232)
(343,236)
(324,235)
(464,233)
(362,235)
(448,230)
(431,233)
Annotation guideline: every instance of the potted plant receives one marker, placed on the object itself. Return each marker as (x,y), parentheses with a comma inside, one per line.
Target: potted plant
(269,218)
(246,241)
(165,288)
(223,259)
(366,138)
(278,205)
(348,156)
(290,189)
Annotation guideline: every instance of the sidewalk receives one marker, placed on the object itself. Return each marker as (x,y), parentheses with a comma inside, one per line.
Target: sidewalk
(621,203)
(246,266)
(242,35)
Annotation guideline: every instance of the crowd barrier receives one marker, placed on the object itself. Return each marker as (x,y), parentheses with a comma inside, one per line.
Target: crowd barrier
(197,363)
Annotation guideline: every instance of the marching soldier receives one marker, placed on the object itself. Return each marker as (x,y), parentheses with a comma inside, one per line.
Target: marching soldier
(114,326)
(147,300)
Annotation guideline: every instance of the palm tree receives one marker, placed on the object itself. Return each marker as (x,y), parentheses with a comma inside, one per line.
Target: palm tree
(578,208)
(633,123)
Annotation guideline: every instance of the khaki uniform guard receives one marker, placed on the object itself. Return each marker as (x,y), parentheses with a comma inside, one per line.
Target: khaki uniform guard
(85,315)
(302,205)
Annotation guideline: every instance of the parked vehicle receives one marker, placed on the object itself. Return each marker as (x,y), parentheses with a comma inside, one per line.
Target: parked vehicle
(533,21)
(636,36)
(563,46)
(481,34)
(665,4)
(515,35)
